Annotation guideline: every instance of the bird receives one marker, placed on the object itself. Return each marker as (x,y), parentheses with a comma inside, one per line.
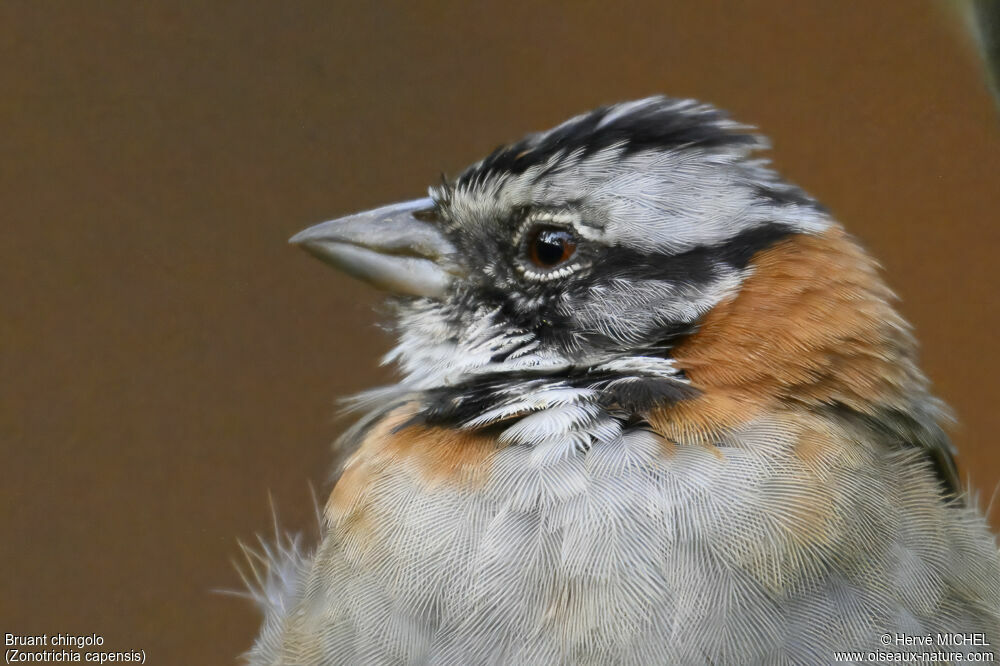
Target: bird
(655,406)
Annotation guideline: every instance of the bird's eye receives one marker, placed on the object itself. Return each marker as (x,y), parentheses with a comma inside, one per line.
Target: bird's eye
(549,247)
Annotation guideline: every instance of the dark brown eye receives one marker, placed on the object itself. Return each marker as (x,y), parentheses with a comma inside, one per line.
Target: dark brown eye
(548,247)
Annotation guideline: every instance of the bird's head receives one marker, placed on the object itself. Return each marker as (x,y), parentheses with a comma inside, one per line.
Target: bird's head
(641,252)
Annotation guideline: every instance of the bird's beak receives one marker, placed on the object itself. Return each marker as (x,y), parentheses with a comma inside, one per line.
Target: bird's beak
(390,247)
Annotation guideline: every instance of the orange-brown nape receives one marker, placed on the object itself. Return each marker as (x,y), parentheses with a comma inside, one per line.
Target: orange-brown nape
(811,325)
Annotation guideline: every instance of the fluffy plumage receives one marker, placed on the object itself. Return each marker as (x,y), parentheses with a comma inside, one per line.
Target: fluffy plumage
(701,437)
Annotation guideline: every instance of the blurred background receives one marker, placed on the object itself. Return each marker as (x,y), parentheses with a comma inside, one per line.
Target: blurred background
(167,360)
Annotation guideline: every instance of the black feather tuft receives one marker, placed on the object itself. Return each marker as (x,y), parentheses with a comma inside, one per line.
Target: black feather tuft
(655,123)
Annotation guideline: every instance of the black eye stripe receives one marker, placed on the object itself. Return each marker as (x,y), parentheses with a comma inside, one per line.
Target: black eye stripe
(696,266)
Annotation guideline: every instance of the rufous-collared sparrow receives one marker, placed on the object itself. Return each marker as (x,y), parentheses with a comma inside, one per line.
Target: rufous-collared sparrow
(656,406)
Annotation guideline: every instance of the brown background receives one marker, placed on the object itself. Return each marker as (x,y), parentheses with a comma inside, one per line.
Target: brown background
(166,359)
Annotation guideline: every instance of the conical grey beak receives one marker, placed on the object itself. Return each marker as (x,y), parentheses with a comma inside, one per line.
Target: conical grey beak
(388,247)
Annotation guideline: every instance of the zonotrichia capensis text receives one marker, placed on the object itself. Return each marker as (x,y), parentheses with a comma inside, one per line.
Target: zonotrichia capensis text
(656,407)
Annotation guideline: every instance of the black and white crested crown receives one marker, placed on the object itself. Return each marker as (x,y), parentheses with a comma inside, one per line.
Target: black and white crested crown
(653,123)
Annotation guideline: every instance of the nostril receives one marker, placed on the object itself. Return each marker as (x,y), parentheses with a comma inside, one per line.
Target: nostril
(429,215)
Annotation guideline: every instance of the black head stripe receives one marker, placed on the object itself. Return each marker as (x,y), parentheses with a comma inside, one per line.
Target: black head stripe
(783,194)
(698,265)
(454,405)
(660,124)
